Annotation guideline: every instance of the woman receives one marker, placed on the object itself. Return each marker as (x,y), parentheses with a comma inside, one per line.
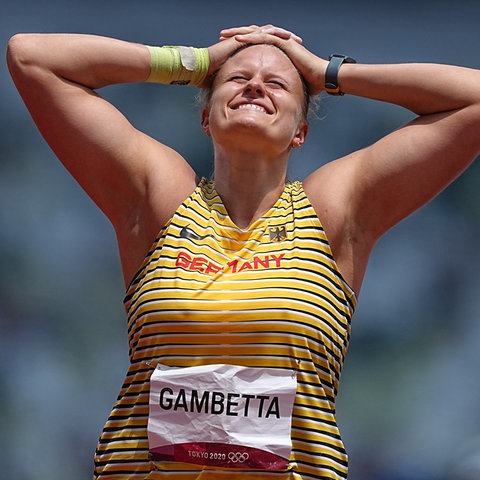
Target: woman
(251,283)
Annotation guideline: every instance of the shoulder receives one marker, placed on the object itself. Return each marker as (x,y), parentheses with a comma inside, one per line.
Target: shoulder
(168,181)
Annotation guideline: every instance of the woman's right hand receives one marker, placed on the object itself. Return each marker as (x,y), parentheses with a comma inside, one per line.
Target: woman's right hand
(219,53)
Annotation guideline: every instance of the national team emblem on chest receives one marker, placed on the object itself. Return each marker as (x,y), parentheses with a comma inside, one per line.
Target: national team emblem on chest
(277,234)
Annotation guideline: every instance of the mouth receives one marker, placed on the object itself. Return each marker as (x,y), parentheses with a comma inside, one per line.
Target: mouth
(253,107)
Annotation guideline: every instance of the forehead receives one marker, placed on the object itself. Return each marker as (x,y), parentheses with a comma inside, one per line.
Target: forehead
(260,57)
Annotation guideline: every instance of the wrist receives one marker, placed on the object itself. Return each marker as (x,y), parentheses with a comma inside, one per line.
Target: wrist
(178,65)
(332,85)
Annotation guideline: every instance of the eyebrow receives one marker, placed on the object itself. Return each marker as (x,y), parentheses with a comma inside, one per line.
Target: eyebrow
(245,71)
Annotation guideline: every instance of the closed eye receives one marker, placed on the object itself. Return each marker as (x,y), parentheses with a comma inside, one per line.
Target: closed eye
(276,83)
(272,84)
(238,78)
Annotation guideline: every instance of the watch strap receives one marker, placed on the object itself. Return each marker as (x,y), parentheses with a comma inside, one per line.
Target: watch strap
(331,74)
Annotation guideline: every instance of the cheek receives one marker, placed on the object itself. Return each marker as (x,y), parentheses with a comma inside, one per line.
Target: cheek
(213,119)
(218,103)
(289,102)
(214,116)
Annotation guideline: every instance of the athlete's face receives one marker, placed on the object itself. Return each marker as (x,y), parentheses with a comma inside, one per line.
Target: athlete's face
(257,92)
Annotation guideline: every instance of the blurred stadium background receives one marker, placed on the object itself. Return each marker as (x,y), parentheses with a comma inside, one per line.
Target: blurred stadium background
(409,404)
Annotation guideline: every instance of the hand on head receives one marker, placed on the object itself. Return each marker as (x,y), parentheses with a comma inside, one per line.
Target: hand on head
(254,29)
(309,65)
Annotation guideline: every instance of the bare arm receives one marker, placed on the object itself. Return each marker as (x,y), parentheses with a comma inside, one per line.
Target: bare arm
(57,76)
(362,195)
(371,190)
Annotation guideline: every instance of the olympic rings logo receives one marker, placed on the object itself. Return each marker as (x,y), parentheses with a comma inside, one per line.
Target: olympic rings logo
(238,457)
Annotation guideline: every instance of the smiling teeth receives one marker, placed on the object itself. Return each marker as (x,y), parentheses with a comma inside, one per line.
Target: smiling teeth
(251,106)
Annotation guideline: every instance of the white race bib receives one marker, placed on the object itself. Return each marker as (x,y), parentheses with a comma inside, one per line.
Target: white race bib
(222,415)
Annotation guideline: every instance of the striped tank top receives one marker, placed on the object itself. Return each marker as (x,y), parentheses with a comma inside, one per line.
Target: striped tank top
(211,293)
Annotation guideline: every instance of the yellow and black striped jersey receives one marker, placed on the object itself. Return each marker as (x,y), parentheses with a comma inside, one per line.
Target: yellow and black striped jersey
(270,296)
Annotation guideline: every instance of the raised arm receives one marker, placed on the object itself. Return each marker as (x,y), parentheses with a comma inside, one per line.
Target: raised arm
(57,76)
(362,195)
(382,184)
(135,180)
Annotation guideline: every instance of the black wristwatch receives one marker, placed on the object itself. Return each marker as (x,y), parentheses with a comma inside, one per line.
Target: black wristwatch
(331,74)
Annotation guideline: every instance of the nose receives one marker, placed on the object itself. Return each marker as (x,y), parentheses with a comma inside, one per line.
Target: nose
(255,87)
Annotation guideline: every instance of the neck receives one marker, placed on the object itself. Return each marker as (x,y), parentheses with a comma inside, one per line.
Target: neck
(248,184)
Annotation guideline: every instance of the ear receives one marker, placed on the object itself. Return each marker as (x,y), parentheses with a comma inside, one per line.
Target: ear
(300,135)
(206,121)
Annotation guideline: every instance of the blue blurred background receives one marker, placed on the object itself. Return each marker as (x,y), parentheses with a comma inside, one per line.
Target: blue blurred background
(409,404)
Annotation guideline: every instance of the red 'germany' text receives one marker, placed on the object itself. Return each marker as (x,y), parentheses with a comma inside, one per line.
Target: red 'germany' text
(204,265)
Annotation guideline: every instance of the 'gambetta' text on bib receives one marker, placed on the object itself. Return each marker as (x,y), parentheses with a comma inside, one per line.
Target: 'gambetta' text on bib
(219,403)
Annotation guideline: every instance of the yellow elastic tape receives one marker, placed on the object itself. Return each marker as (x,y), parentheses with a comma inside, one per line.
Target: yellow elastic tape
(202,63)
(178,65)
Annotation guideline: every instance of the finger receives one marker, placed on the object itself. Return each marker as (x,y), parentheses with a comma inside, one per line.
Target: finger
(281,35)
(231,32)
(280,32)
(269,29)
(262,37)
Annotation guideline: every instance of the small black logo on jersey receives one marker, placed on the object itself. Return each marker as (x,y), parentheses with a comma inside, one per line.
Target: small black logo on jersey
(277,234)
(186,232)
